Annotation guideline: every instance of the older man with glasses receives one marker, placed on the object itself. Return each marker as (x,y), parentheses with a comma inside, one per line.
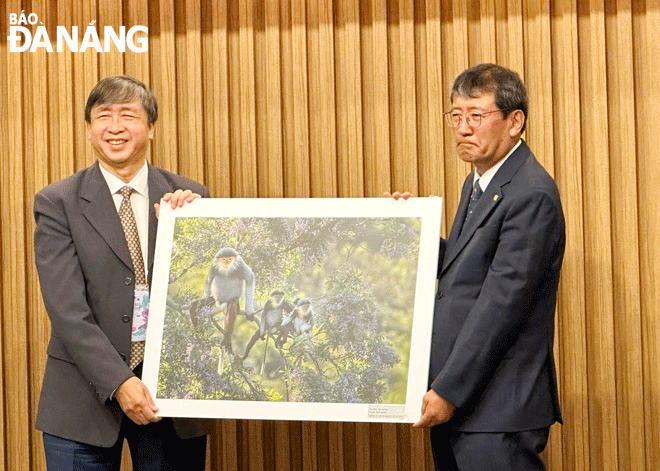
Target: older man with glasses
(493,389)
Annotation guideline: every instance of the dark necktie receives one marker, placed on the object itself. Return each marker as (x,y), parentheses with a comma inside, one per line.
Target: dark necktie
(476,194)
(133,239)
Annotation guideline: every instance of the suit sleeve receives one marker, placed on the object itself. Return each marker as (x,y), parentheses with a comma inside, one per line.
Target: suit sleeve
(64,293)
(530,236)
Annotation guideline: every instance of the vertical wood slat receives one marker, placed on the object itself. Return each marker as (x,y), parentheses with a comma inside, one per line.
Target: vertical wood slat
(243,101)
(229,456)
(162,59)
(309,446)
(216,98)
(136,64)
(403,101)
(331,115)
(283,443)
(295,142)
(487,45)
(572,334)
(623,174)
(597,239)
(5,9)
(350,164)
(362,446)
(376,446)
(271,167)
(430,122)
(35,177)
(322,120)
(510,26)
(109,14)
(375,98)
(189,83)
(646,67)
(256,442)
(14,341)
(390,447)
(336,446)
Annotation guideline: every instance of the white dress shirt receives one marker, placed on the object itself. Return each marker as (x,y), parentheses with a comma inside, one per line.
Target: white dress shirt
(139,203)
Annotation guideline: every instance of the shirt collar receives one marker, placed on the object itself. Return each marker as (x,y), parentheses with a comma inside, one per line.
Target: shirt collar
(138,182)
(488,175)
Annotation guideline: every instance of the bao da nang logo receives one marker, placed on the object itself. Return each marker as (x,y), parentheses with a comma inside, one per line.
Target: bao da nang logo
(22,39)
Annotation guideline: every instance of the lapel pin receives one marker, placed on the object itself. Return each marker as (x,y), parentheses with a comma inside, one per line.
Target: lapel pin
(495,197)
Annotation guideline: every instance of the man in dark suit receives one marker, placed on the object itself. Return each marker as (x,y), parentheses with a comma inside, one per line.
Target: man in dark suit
(493,394)
(90,279)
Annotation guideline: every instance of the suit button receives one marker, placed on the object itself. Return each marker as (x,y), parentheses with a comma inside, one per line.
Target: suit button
(439,295)
(126,319)
(128,280)
(123,357)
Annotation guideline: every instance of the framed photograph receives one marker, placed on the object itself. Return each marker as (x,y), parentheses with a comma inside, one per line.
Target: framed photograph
(295,309)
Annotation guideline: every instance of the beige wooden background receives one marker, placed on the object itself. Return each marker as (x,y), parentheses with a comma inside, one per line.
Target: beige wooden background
(316,98)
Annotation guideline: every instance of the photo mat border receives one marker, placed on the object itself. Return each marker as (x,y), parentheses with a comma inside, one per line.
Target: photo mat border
(428,209)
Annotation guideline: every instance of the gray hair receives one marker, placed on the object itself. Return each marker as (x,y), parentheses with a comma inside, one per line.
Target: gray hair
(122,89)
(505,84)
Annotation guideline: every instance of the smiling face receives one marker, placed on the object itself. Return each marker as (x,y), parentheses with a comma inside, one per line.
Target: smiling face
(490,142)
(120,135)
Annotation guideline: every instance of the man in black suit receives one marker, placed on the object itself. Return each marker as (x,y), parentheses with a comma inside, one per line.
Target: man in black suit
(90,266)
(493,394)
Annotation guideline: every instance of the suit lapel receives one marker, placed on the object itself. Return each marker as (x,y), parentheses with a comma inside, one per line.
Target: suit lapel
(491,198)
(102,214)
(158,186)
(461,211)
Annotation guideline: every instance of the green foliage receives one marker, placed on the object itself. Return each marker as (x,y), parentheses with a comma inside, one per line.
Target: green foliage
(360,275)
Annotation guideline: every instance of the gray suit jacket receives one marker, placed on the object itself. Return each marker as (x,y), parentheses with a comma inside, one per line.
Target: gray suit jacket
(492,347)
(87,282)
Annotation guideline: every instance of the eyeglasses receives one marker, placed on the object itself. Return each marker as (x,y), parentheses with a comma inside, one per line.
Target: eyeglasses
(473,119)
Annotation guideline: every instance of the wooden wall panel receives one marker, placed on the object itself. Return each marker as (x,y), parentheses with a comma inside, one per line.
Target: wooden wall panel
(215,104)
(430,122)
(295,99)
(188,52)
(403,100)
(626,276)
(597,237)
(375,97)
(327,98)
(5,228)
(646,45)
(35,176)
(269,101)
(350,160)
(572,310)
(162,62)
(17,424)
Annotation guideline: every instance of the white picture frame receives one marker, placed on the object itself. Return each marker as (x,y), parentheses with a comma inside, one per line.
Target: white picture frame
(368,270)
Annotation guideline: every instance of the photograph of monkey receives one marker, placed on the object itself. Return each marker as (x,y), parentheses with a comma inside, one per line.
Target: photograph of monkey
(289,309)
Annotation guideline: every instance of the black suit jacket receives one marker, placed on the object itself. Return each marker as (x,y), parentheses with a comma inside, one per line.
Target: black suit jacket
(87,282)
(492,347)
